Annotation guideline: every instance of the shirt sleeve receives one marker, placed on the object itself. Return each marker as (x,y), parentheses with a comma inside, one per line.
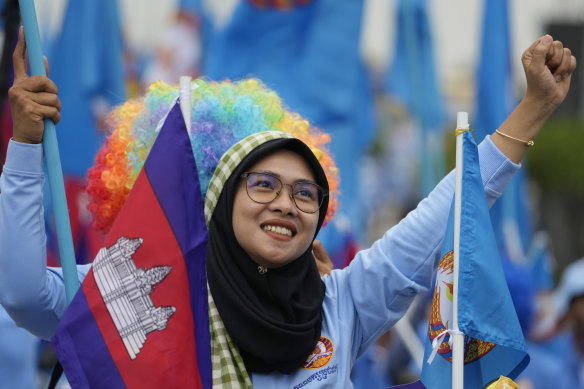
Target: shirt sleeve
(381,282)
(33,295)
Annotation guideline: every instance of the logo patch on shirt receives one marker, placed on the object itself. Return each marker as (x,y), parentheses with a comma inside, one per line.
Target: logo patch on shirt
(321,355)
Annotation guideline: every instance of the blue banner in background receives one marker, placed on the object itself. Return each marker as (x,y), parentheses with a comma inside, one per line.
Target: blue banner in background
(411,79)
(309,54)
(87,63)
(495,101)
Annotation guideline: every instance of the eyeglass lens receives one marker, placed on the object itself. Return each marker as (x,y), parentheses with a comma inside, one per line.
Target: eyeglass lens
(264,188)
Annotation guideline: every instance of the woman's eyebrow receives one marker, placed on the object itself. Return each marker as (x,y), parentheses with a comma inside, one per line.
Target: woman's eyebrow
(306,180)
(299,180)
(268,172)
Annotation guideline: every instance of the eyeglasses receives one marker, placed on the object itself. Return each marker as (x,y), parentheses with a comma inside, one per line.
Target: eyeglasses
(264,188)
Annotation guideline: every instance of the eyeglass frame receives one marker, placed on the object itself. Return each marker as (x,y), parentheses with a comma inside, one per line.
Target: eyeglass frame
(291,194)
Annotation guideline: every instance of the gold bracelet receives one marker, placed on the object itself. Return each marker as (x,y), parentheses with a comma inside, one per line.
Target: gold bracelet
(527,143)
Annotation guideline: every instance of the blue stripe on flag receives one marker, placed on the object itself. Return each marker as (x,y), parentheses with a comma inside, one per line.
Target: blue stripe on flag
(186,219)
(82,335)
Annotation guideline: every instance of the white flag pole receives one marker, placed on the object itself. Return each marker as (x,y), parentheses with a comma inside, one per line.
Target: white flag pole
(185,93)
(457,336)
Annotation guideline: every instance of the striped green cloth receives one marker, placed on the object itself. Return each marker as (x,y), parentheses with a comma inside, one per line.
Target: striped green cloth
(228,368)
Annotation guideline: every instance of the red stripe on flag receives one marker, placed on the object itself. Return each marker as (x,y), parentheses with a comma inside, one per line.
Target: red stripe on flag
(168,358)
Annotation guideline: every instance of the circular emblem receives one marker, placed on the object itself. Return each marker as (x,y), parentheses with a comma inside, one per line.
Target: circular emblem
(442,308)
(321,355)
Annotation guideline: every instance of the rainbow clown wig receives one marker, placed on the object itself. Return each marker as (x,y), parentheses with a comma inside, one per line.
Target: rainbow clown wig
(222,114)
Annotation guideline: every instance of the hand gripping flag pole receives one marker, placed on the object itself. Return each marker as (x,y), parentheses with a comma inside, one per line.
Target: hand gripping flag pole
(53,161)
(457,336)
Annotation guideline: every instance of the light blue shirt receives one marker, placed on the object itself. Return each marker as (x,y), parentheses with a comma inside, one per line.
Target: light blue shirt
(18,355)
(362,301)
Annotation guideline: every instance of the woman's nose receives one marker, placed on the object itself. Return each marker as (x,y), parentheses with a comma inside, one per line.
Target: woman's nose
(285,201)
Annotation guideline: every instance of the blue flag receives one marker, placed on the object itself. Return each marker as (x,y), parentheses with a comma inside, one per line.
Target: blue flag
(494,343)
(309,54)
(495,101)
(411,79)
(86,63)
(140,319)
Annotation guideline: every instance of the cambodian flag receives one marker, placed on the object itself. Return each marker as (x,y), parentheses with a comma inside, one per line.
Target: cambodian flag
(494,343)
(141,319)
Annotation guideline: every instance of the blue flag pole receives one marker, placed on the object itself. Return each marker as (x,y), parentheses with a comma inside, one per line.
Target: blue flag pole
(52,159)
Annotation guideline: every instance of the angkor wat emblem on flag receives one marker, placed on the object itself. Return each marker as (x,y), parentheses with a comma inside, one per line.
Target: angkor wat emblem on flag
(126,289)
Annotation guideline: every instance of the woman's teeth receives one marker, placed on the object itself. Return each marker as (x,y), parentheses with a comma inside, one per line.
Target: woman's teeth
(278,230)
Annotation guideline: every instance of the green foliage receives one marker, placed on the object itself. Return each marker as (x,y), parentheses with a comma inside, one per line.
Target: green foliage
(556,161)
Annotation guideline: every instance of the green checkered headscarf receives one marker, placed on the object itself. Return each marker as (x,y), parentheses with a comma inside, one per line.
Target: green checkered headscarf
(228,368)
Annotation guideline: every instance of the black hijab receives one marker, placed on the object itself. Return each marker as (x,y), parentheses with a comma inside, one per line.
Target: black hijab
(274,318)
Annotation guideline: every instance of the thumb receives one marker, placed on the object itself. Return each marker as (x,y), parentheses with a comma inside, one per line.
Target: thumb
(323,262)
(538,52)
(46,65)
(18,58)
(319,251)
